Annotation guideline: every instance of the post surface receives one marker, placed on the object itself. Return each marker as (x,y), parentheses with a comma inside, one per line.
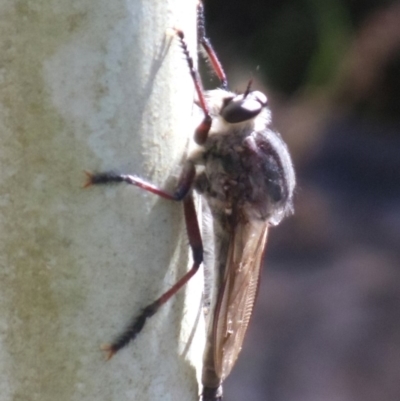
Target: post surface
(93,85)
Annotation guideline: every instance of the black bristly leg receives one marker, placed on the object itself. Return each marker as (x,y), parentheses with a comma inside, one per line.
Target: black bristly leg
(205,42)
(182,188)
(201,132)
(194,236)
(134,328)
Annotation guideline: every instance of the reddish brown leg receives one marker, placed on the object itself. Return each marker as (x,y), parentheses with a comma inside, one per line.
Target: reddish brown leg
(201,132)
(205,42)
(194,236)
(184,183)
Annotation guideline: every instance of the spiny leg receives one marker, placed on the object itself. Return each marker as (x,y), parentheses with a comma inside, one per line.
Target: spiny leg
(194,236)
(137,323)
(205,42)
(182,188)
(201,132)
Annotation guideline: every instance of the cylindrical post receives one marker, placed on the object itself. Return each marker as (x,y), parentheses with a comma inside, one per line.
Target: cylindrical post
(94,85)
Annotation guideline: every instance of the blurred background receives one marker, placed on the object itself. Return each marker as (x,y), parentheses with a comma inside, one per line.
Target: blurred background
(327,320)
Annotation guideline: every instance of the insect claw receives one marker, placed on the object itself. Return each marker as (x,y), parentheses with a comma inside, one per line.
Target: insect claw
(109,351)
(89,179)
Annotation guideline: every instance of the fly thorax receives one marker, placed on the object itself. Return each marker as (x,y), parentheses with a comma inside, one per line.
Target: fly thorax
(243,168)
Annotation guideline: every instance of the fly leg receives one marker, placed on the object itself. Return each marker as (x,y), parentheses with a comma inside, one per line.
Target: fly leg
(201,132)
(205,42)
(193,231)
(182,188)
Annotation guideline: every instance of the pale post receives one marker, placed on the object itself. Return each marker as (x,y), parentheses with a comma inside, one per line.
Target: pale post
(94,85)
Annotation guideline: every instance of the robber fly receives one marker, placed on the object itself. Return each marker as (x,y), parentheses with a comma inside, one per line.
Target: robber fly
(243,172)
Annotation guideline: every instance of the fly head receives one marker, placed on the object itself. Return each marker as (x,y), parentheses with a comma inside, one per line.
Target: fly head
(240,108)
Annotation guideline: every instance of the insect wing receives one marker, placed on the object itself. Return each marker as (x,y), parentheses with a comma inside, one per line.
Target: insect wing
(237,296)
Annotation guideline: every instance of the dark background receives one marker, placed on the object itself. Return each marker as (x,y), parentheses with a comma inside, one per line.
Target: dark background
(327,320)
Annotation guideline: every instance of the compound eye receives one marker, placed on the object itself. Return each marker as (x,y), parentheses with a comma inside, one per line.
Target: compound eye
(242,108)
